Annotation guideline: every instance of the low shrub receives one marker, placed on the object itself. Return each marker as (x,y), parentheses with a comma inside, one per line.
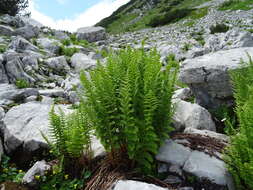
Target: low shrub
(129,103)
(68,51)
(219,28)
(9,172)
(21,83)
(169,17)
(236,5)
(2,48)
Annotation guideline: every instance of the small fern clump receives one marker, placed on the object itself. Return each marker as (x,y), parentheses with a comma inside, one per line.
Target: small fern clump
(71,135)
(239,155)
(129,103)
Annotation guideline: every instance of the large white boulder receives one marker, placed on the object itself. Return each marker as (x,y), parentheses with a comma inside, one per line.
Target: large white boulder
(58,65)
(21,45)
(91,34)
(135,185)
(208,75)
(10,94)
(6,30)
(81,61)
(24,124)
(190,115)
(51,45)
(204,166)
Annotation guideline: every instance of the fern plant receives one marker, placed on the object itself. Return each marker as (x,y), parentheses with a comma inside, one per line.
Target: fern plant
(70,134)
(239,155)
(129,103)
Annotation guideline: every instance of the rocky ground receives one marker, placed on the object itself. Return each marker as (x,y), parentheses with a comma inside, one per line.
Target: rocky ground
(40,67)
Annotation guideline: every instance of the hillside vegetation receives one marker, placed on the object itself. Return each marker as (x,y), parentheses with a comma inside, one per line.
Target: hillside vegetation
(138,14)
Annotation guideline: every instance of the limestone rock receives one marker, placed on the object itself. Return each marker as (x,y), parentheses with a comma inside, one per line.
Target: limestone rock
(208,75)
(27,32)
(21,45)
(91,34)
(10,94)
(6,30)
(3,76)
(24,124)
(50,45)
(188,115)
(39,168)
(81,61)
(59,65)
(135,185)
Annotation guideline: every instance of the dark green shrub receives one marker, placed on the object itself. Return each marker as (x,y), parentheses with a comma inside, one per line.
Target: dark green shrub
(219,28)
(21,83)
(236,5)
(129,101)
(12,7)
(239,155)
(169,17)
(9,172)
(68,51)
(2,48)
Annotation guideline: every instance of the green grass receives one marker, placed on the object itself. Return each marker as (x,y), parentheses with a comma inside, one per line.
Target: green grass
(21,83)
(2,48)
(236,5)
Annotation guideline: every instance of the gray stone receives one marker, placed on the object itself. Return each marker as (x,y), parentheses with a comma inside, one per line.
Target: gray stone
(96,147)
(81,61)
(188,115)
(58,64)
(31,99)
(10,94)
(182,94)
(24,124)
(21,45)
(6,30)
(208,133)
(50,45)
(2,113)
(3,76)
(27,32)
(15,71)
(12,21)
(56,92)
(71,83)
(30,63)
(173,153)
(38,169)
(31,22)
(208,75)
(206,167)
(135,185)
(61,35)
(91,34)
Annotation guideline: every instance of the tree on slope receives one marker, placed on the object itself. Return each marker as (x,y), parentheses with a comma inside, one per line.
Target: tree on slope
(12,7)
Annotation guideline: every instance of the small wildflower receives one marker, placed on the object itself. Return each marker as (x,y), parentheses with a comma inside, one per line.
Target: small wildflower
(66,176)
(20,171)
(75,186)
(37,177)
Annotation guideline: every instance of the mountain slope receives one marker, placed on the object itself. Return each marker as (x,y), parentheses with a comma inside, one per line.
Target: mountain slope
(138,14)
